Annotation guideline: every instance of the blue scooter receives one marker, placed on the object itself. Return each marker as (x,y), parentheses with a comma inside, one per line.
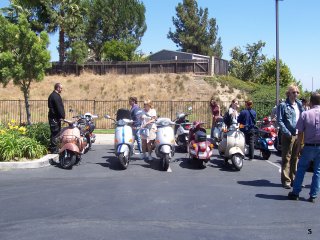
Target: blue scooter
(263,142)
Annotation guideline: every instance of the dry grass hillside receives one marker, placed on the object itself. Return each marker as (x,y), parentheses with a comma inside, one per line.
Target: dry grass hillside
(120,87)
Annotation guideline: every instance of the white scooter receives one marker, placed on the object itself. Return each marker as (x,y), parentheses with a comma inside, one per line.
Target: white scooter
(232,146)
(123,137)
(164,143)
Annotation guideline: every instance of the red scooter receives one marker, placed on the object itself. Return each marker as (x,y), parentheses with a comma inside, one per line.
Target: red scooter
(200,147)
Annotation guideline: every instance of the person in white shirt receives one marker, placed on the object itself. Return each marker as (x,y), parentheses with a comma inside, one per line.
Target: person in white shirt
(233,111)
(148,129)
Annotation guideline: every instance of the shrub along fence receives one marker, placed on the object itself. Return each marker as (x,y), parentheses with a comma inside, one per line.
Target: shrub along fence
(15,109)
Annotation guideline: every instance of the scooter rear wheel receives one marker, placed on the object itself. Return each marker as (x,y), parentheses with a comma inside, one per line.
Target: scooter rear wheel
(67,159)
(124,161)
(265,154)
(237,161)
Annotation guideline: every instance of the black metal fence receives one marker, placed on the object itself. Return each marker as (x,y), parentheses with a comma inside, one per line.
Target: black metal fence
(15,110)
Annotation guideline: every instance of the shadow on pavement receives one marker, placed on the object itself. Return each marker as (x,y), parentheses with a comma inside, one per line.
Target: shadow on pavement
(272,197)
(222,165)
(260,183)
(111,162)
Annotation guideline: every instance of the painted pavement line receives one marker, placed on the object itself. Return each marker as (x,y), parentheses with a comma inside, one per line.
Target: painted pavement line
(274,164)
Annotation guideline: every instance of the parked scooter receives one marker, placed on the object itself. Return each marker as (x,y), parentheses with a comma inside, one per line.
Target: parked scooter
(263,141)
(266,137)
(200,147)
(181,130)
(232,146)
(87,127)
(218,131)
(164,142)
(71,145)
(123,137)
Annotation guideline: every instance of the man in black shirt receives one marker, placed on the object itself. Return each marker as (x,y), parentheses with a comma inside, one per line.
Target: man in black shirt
(56,113)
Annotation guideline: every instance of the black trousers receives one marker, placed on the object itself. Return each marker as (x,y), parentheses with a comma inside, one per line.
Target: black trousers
(249,138)
(55,127)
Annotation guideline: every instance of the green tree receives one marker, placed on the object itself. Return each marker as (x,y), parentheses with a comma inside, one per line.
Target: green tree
(247,65)
(194,31)
(108,20)
(268,74)
(78,52)
(118,51)
(63,16)
(23,56)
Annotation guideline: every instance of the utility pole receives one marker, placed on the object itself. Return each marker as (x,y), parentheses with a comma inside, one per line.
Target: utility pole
(277,53)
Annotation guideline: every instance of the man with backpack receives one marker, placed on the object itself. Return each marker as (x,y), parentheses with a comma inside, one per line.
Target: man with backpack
(247,118)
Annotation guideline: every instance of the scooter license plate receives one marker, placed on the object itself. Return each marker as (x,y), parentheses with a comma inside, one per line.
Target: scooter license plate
(271,147)
(202,154)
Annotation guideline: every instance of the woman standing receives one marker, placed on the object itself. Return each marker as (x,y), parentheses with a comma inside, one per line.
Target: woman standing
(148,129)
(215,110)
(233,111)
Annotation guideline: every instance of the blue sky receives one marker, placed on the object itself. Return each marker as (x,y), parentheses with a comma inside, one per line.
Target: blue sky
(243,22)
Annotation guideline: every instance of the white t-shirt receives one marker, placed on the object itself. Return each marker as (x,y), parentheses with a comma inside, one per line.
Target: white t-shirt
(296,109)
(234,115)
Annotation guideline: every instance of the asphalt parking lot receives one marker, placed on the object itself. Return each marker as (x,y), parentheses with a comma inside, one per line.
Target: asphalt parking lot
(97,200)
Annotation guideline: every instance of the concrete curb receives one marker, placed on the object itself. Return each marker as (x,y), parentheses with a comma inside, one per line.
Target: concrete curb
(45,160)
(42,162)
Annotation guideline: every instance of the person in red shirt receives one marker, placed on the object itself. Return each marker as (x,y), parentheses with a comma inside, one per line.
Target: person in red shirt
(215,110)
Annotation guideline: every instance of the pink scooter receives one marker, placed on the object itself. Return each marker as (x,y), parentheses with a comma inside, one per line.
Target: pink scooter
(71,145)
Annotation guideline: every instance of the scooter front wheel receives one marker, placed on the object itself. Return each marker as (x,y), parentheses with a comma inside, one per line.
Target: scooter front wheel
(67,159)
(124,161)
(89,144)
(165,162)
(237,161)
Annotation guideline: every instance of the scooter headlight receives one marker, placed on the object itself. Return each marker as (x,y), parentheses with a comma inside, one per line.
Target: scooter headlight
(194,146)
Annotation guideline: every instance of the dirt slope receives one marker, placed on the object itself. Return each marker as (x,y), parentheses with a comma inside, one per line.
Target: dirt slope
(120,87)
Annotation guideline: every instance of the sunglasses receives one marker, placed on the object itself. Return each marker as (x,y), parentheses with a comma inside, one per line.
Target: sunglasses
(295,92)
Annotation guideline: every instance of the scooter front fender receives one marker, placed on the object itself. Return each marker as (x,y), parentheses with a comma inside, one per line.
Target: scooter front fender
(165,149)
(69,146)
(235,150)
(123,148)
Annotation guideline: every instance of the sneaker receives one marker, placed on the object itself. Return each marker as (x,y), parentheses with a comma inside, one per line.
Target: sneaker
(286,186)
(143,156)
(312,199)
(150,157)
(292,196)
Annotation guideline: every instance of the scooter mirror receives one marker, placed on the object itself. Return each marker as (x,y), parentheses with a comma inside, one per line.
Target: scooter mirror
(189,108)
(70,110)
(107,116)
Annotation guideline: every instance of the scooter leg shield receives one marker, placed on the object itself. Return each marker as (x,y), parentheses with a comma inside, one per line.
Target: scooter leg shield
(123,148)
(69,146)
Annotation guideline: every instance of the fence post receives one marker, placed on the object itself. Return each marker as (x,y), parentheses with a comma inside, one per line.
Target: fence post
(94,106)
(171,109)
(20,111)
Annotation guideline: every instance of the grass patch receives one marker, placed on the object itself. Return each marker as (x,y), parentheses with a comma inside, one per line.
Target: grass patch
(104,131)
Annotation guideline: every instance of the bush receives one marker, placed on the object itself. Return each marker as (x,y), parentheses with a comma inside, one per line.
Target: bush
(39,132)
(14,147)
(23,142)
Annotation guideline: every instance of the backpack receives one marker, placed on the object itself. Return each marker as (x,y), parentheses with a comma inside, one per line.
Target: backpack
(227,119)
